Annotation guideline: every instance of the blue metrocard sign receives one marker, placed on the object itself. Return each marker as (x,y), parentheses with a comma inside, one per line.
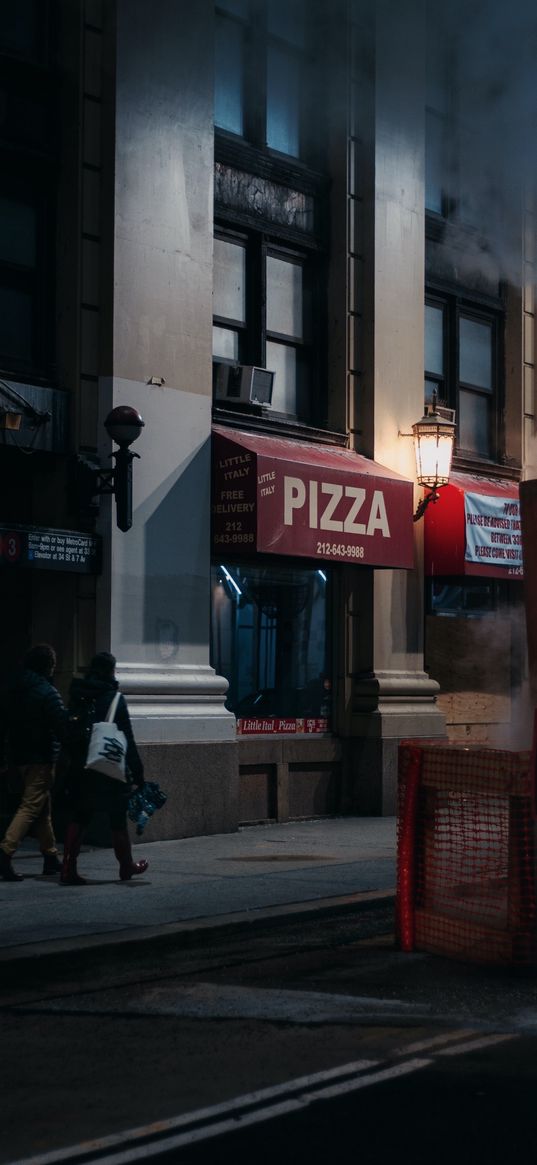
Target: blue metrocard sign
(49,549)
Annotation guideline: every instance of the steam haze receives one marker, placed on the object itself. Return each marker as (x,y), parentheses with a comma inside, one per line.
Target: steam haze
(489,52)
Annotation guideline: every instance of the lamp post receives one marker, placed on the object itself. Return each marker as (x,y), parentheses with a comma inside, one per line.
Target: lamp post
(124,425)
(434,438)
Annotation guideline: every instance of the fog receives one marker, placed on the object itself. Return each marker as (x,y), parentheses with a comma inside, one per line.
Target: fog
(482,85)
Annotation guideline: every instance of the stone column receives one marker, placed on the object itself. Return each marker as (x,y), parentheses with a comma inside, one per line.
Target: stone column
(154,600)
(155,604)
(389,695)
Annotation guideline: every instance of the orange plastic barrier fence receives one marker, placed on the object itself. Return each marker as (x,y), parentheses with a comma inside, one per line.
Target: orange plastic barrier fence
(466,855)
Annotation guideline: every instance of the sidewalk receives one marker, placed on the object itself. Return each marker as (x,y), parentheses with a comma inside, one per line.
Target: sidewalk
(261,871)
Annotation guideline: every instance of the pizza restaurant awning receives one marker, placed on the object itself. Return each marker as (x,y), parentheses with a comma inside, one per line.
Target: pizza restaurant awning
(276,496)
(474,529)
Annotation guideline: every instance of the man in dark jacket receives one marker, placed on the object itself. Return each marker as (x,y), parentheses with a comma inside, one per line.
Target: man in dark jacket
(35,720)
(90,698)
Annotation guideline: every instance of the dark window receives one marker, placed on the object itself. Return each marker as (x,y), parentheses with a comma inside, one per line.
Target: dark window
(262,69)
(229,299)
(287,328)
(28,119)
(438,120)
(25,230)
(464,597)
(262,306)
(463,182)
(271,640)
(270,205)
(21,29)
(461,363)
(436,160)
(230,58)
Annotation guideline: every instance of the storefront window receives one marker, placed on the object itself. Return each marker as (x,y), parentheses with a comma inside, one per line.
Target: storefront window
(464,597)
(270,639)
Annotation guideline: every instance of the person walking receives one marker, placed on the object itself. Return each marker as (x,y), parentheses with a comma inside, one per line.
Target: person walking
(35,722)
(89,701)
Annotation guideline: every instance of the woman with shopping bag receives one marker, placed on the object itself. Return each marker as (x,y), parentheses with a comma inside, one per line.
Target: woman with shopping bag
(105,765)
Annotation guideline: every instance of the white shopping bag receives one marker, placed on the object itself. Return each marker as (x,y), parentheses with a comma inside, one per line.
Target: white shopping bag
(107,748)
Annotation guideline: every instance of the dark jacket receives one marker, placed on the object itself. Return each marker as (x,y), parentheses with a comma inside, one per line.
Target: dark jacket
(96,695)
(34,720)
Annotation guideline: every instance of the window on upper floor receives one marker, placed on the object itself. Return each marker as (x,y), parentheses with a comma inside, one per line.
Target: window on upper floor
(270,203)
(22,28)
(461,363)
(262,303)
(262,73)
(27,188)
(464,175)
(24,317)
(438,120)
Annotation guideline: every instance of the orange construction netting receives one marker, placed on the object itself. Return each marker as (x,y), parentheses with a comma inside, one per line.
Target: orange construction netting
(466,852)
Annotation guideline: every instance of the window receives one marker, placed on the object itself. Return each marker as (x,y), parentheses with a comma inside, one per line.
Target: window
(286,43)
(270,204)
(471,598)
(22,302)
(21,32)
(230,58)
(464,177)
(229,299)
(436,148)
(285,332)
(461,362)
(270,639)
(27,188)
(438,119)
(262,62)
(262,295)
(476,384)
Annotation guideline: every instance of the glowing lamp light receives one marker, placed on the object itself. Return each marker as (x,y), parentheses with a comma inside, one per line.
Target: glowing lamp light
(434,438)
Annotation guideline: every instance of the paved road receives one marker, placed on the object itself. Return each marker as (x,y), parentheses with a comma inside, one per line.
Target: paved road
(442,1098)
(184,1037)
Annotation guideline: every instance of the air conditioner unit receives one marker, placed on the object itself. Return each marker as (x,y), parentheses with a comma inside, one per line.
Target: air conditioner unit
(242,383)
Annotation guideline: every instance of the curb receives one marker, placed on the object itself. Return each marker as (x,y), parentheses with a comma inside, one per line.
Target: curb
(23,959)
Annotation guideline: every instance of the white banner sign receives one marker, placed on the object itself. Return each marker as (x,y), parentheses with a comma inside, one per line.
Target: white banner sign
(493,531)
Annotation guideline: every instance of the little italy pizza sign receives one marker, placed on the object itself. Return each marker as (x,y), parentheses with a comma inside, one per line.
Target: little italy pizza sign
(277,496)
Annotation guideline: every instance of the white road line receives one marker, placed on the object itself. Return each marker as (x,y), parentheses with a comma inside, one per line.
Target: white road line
(236,1123)
(435,1041)
(256,1107)
(143,1153)
(158,1128)
(475,1045)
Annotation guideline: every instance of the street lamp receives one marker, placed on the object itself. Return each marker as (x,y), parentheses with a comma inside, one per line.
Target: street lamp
(434,438)
(124,425)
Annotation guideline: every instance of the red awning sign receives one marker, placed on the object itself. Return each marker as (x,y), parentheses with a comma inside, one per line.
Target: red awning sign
(474,529)
(275,496)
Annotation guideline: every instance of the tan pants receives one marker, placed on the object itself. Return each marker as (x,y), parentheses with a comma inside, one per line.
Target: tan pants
(34,811)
